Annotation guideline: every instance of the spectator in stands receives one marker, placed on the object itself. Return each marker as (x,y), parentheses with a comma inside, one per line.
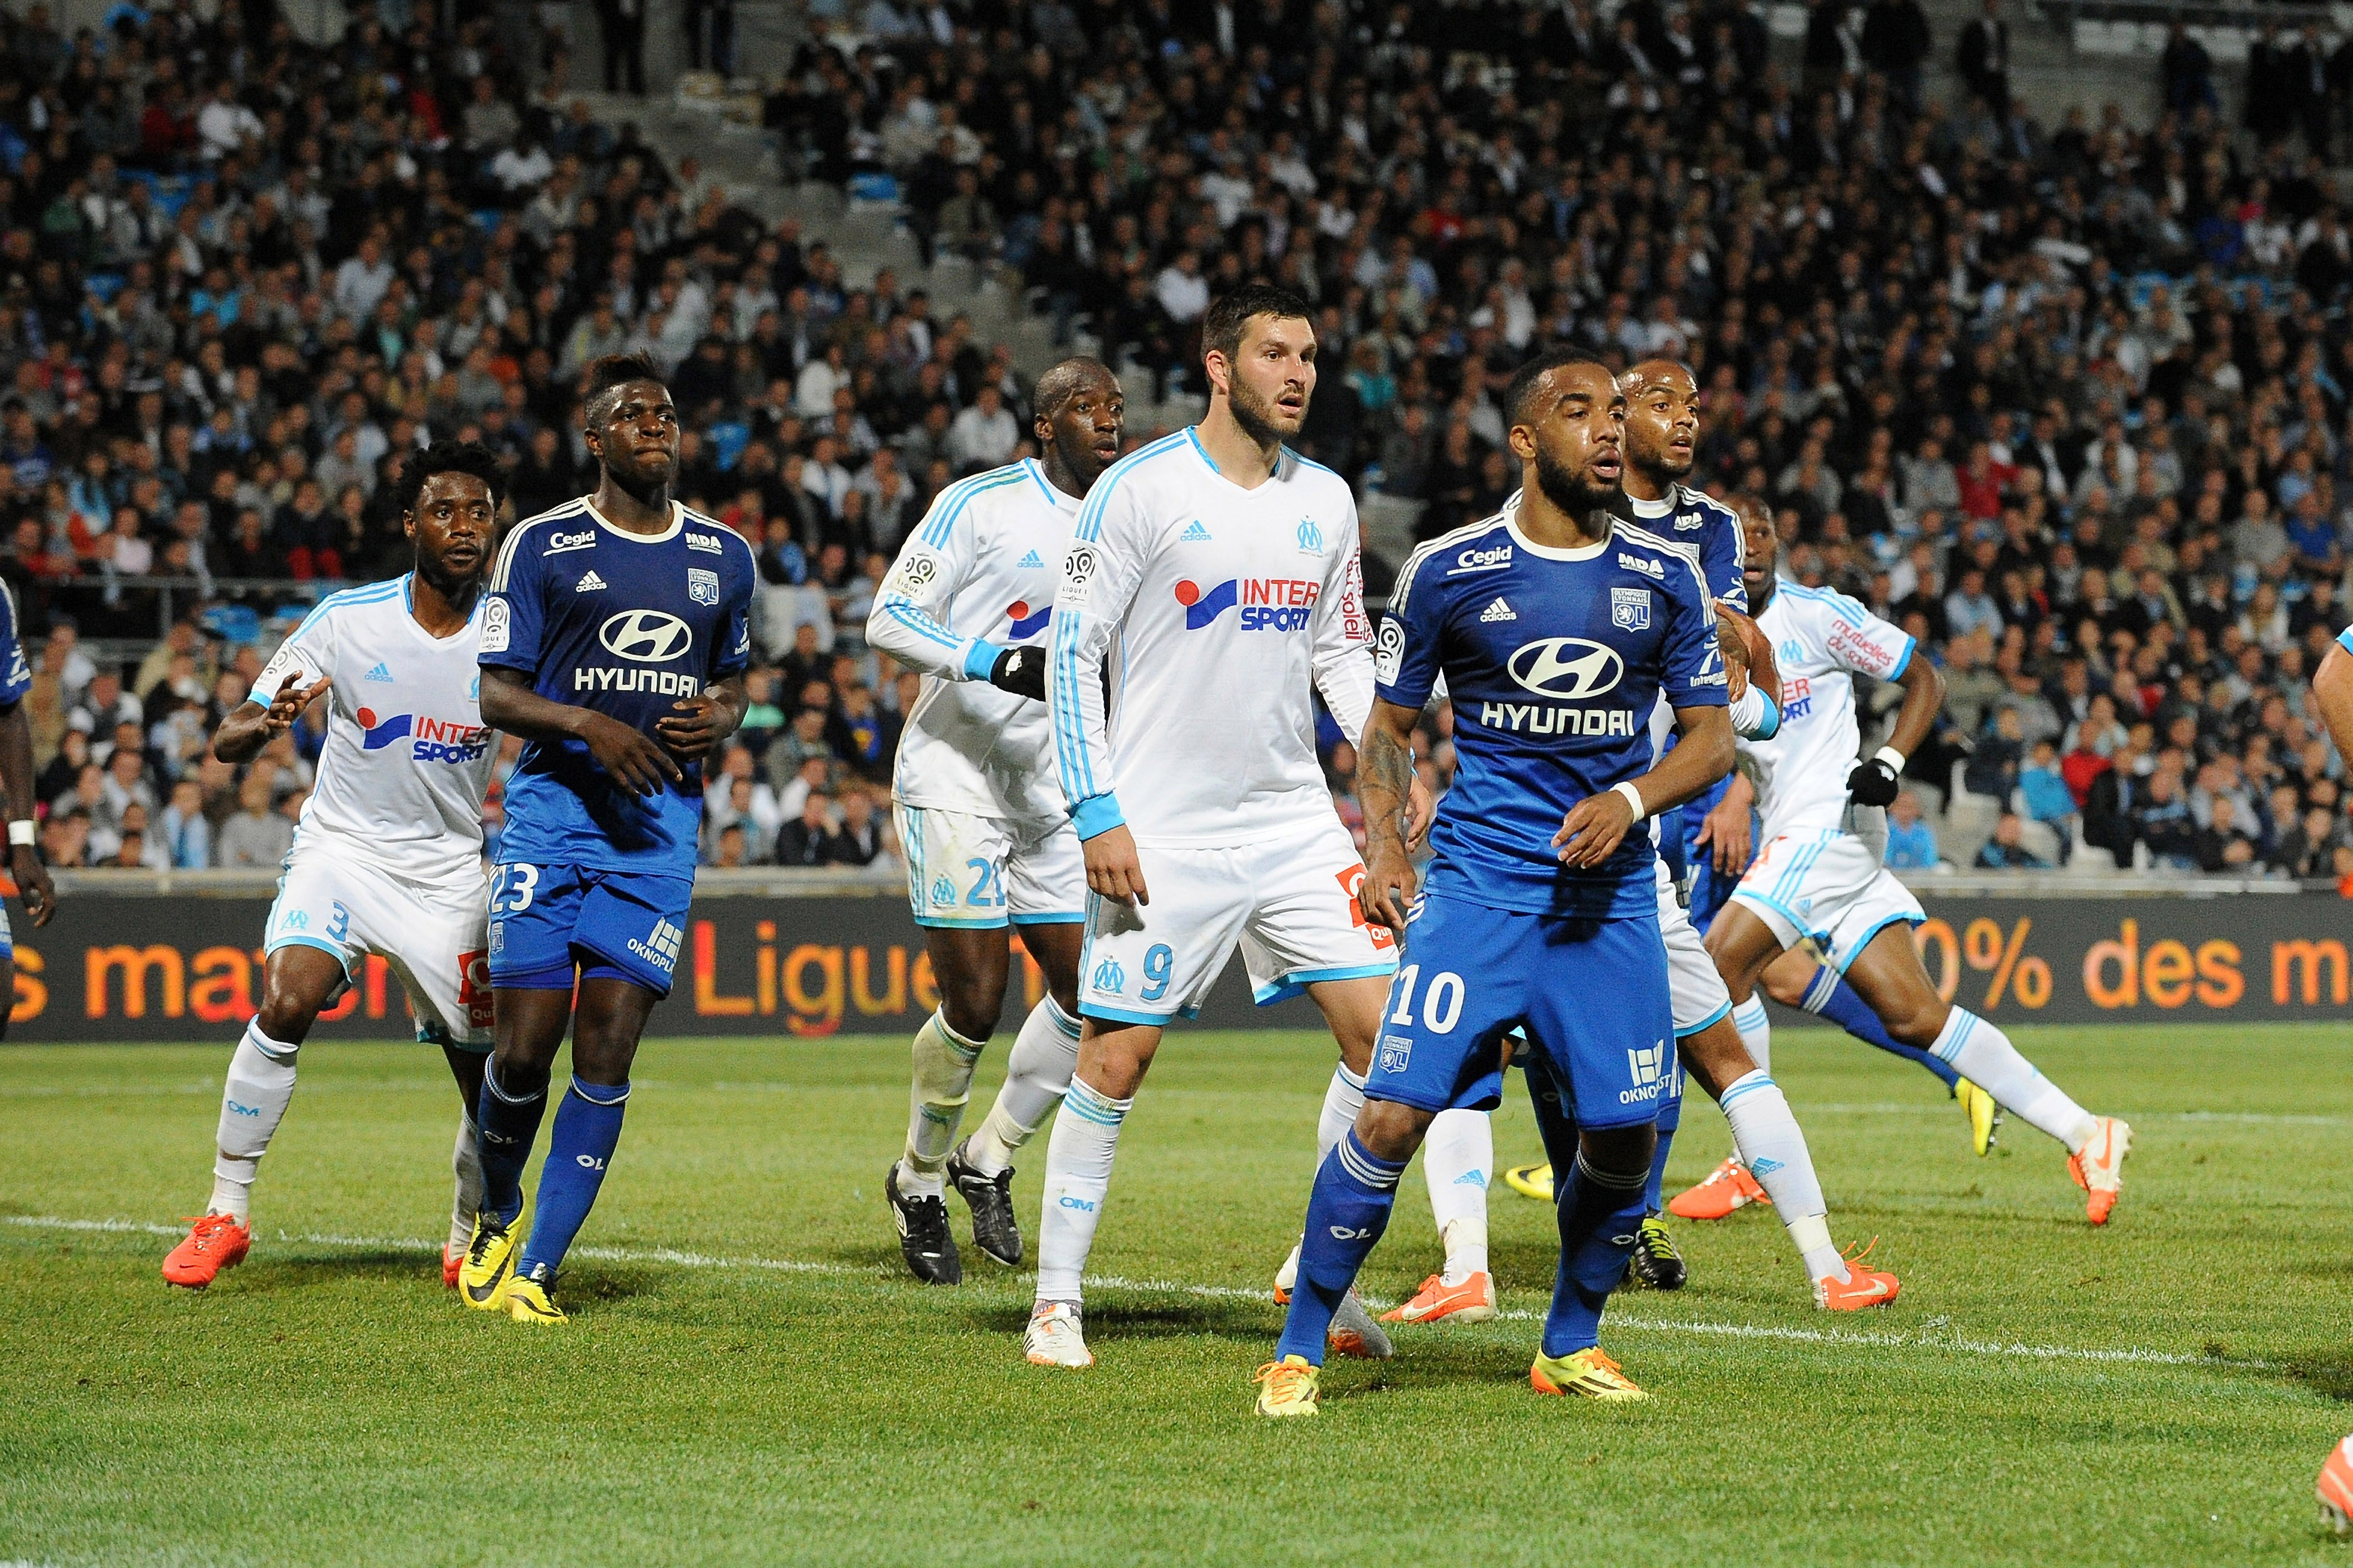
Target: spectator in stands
(2043,794)
(859,840)
(806,840)
(185,835)
(2006,851)
(255,836)
(65,838)
(2185,71)
(1911,841)
(2223,845)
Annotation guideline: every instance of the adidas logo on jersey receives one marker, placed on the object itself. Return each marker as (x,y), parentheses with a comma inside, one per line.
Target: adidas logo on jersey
(1030,563)
(1196,535)
(379,673)
(589,583)
(1499,611)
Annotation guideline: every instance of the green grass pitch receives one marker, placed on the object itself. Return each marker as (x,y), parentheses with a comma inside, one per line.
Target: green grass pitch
(749,1377)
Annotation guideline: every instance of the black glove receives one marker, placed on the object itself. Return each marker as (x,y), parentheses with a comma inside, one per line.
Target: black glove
(1873,783)
(1022,671)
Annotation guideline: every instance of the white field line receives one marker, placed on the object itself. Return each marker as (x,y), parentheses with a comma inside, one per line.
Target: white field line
(1637,1322)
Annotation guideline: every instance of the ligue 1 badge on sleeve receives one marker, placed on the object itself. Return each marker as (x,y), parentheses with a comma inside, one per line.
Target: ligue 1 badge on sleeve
(1630,609)
(701,586)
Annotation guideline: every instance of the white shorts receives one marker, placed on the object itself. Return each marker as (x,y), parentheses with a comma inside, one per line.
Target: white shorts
(436,939)
(1829,887)
(1289,903)
(979,873)
(1695,989)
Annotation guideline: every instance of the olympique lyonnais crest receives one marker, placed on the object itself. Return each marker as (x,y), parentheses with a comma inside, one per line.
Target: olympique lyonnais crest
(701,586)
(1630,609)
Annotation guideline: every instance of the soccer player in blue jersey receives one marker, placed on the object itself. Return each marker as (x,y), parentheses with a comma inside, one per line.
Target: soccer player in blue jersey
(16,784)
(614,643)
(1555,636)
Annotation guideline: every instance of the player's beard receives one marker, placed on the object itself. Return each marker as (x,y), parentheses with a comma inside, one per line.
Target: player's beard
(1660,466)
(1256,415)
(1566,490)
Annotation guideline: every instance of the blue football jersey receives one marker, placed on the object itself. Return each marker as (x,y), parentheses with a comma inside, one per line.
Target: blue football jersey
(1554,661)
(1698,522)
(15,675)
(626,623)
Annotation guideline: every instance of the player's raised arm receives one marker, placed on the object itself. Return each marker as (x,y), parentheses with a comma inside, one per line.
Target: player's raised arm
(283,689)
(1100,572)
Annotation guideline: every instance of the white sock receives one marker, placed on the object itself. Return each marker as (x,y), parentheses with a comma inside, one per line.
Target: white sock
(1078,1175)
(1344,1097)
(466,1159)
(1458,1159)
(253,1101)
(1774,1149)
(1983,1054)
(1036,1075)
(1756,1027)
(936,1102)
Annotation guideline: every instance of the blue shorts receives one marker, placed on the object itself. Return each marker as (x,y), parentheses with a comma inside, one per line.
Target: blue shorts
(1591,994)
(620,925)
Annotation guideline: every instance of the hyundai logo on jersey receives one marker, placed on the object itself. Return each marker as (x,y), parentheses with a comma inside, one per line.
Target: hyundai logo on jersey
(1572,669)
(1268,604)
(437,739)
(1024,624)
(646,637)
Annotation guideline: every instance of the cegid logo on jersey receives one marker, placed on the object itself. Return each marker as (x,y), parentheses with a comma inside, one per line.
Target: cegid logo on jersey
(1568,669)
(438,740)
(642,637)
(1268,604)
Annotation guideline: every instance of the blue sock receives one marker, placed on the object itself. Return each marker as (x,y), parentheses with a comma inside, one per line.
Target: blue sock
(508,1125)
(1347,1213)
(1670,1116)
(587,1130)
(1842,1006)
(1598,1213)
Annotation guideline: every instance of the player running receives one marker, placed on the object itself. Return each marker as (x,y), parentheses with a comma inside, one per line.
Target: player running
(1555,630)
(1820,876)
(1219,569)
(979,804)
(388,858)
(614,642)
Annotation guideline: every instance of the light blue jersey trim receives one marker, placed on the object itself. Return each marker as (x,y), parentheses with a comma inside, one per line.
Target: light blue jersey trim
(983,922)
(1096,814)
(1770,725)
(1192,435)
(321,943)
(1796,921)
(1903,663)
(1057,918)
(1706,1024)
(1122,1015)
(1296,983)
(1880,926)
(935,532)
(979,658)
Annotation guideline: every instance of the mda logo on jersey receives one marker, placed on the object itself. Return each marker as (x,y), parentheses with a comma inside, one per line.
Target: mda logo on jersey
(1268,604)
(437,739)
(1026,623)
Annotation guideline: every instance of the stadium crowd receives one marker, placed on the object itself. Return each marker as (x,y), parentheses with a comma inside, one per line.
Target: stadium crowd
(2067,402)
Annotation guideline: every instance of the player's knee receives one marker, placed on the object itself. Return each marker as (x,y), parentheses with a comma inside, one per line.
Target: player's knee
(285,1018)
(1623,1151)
(1916,1021)
(972,1011)
(1391,1129)
(1782,986)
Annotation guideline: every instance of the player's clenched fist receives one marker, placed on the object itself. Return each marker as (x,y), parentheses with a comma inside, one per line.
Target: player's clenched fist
(633,761)
(1112,870)
(1390,881)
(1753,665)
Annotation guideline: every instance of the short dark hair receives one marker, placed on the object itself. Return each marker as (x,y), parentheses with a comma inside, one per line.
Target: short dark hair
(1061,383)
(1221,327)
(607,372)
(1520,391)
(450,458)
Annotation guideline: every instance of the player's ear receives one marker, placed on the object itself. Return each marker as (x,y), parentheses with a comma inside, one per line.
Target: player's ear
(1523,442)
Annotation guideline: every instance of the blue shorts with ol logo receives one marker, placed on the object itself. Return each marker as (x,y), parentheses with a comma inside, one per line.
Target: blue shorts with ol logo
(545,919)
(1591,994)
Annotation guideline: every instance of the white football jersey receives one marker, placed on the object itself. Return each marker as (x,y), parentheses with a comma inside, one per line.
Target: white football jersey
(974,578)
(1219,606)
(407,759)
(1821,640)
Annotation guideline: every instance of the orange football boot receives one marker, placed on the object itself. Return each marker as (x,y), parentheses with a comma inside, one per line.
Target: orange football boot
(2336,1488)
(453,1258)
(215,1242)
(1728,1187)
(1862,1288)
(1473,1302)
(2099,1167)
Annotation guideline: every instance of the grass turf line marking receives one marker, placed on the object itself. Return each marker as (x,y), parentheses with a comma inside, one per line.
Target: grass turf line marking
(1889,1340)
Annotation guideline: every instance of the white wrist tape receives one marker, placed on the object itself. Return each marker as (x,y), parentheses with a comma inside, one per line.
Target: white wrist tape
(1892,757)
(21,832)
(1633,798)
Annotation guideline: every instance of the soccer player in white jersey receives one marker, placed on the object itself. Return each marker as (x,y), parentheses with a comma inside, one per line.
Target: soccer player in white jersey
(1820,877)
(388,858)
(1219,571)
(979,803)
